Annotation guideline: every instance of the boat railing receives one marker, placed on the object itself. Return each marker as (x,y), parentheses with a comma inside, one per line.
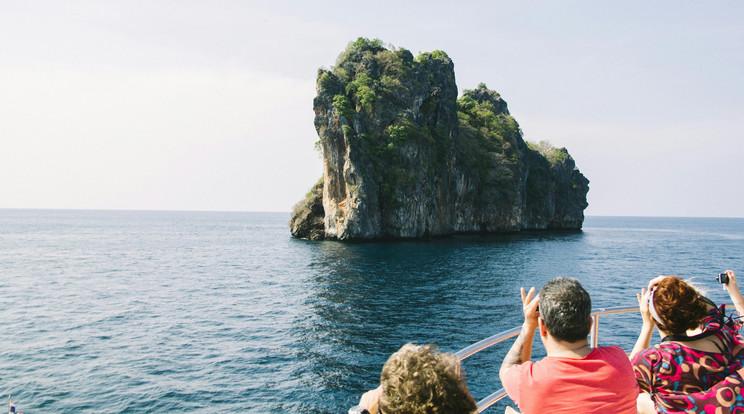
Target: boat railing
(481,345)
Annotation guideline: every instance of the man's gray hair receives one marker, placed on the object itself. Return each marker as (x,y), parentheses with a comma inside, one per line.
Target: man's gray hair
(565,308)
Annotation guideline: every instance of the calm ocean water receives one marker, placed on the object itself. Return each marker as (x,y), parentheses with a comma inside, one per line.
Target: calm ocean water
(222,312)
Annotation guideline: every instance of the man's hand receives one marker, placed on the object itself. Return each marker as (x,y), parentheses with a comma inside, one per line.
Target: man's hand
(530,303)
(521,349)
(643,299)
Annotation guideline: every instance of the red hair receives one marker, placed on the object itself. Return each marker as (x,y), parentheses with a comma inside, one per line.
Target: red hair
(679,305)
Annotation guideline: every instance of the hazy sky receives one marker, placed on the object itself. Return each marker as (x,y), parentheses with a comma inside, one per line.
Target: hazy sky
(208,105)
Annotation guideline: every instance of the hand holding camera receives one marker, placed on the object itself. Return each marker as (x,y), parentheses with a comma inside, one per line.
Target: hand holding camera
(728,280)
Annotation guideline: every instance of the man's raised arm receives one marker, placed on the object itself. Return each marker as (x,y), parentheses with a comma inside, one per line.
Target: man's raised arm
(521,351)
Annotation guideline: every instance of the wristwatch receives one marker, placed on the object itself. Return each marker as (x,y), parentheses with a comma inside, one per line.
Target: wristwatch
(358,410)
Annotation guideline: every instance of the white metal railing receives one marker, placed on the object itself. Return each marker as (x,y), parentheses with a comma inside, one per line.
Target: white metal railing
(500,394)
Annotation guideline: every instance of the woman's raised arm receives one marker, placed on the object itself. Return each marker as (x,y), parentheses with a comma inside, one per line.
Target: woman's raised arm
(647,329)
(733,290)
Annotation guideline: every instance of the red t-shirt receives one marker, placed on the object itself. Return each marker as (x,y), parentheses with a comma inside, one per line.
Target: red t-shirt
(601,382)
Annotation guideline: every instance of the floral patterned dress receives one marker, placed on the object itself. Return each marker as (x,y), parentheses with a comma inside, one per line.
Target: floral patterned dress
(685,380)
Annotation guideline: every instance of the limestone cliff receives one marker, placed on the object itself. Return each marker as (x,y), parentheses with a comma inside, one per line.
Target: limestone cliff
(404,157)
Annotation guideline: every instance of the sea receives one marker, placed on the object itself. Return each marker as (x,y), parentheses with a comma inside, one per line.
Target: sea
(210,312)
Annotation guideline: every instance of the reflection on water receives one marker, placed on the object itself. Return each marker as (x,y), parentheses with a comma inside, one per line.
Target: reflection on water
(223,312)
(367,299)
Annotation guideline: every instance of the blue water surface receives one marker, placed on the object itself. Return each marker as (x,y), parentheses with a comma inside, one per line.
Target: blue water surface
(119,311)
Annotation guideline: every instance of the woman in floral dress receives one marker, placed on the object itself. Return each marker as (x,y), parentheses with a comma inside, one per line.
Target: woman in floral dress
(695,368)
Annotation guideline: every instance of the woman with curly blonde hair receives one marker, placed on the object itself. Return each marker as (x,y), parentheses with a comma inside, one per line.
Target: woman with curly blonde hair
(418,379)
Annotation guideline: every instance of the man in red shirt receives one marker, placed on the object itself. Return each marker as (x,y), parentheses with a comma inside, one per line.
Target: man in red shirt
(573,377)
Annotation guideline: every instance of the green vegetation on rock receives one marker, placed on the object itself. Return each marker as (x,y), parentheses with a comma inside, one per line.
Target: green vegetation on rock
(554,155)
(404,157)
(342,106)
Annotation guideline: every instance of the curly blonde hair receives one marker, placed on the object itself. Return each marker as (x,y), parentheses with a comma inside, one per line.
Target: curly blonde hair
(418,379)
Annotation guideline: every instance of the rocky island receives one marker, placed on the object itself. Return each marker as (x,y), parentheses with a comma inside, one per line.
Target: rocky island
(404,157)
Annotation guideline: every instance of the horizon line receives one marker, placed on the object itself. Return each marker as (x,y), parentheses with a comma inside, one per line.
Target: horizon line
(288,212)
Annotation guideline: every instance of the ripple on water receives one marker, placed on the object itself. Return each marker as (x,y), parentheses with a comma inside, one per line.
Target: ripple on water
(222,312)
